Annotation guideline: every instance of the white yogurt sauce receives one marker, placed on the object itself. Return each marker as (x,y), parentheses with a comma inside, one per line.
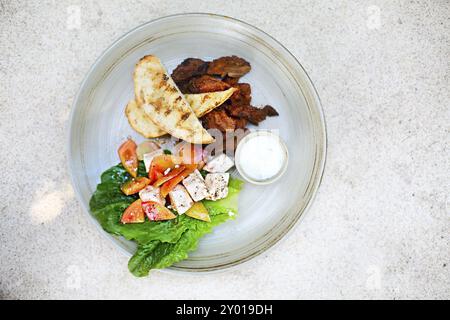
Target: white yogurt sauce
(262,157)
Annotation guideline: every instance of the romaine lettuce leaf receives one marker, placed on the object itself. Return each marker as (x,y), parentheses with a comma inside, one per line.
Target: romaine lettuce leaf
(160,243)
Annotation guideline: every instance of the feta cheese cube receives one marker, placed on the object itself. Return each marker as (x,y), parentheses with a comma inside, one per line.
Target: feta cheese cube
(180,199)
(151,193)
(148,157)
(195,185)
(217,185)
(221,163)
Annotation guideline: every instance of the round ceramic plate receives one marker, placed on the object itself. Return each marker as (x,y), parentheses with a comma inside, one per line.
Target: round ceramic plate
(266,213)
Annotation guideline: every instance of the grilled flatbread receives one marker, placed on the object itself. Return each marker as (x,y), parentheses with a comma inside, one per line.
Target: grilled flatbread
(165,105)
(141,122)
(201,104)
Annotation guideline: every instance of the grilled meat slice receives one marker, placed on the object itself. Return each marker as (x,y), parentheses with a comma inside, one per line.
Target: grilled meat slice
(189,68)
(231,66)
(241,123)
(231,81)
(243,96)
(252,114)
(206,83)
(184,86)
(218,119)
(270,111)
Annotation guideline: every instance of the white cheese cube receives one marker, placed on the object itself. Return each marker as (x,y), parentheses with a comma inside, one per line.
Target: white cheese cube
(221,163)
(217,185)
(195,185)
(180,199)
(148,157)
(151,193)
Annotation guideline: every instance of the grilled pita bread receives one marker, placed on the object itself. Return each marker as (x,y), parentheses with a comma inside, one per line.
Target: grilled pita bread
(141,122)
(164,104)
(201,104)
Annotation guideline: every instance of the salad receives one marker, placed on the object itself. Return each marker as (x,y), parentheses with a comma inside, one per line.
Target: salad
(164,202)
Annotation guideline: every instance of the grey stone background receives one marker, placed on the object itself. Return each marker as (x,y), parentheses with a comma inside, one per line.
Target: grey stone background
(380,225)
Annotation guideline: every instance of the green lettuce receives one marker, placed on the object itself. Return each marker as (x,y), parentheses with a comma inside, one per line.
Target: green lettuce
(160,243)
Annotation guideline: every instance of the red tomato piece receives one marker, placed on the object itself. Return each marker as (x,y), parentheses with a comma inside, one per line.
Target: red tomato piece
(171,174)
(135,185)
(169,185)
(128,157)
(156,211)
(160,164)
(134,213)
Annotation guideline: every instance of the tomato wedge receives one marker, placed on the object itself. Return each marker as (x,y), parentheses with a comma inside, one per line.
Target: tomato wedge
(154,175)
(169,185)
(128,157)
(171,174)
(135,185)
(134,213)
(160,164)
(156,211)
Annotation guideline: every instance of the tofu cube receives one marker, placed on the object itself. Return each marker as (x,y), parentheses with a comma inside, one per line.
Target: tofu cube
(221,163)
(217,185)
(151,193)
(180,199)
(195,185)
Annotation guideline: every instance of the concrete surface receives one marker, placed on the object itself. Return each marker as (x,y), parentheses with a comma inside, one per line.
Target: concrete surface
(380,225)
